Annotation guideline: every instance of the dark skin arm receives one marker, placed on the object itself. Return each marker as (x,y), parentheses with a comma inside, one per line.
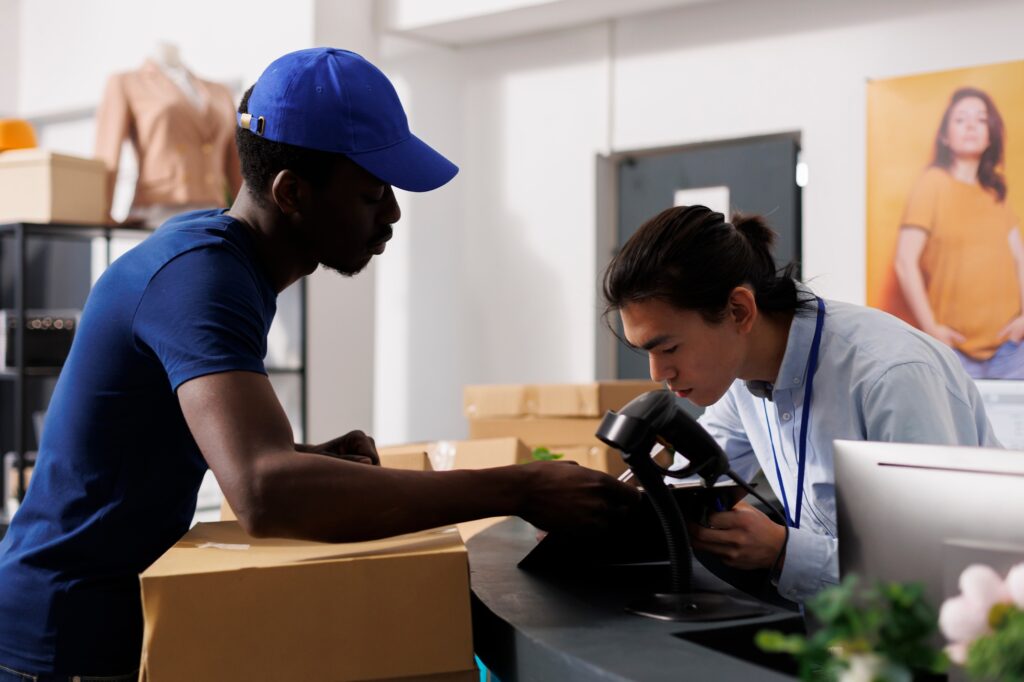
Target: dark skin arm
(279,491)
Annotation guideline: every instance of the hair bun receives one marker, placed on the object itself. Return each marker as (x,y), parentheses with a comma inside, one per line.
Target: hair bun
(755,229)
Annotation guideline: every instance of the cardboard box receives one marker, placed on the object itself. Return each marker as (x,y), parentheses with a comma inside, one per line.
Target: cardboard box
(601,458)
(535,432)
(604,458)
(468,454)
(409,457)
(221,605)
(40,186)
(461,454)
(551,400)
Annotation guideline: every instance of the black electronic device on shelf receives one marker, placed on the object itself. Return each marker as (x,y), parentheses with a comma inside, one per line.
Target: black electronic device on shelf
(651,418)
(48,336)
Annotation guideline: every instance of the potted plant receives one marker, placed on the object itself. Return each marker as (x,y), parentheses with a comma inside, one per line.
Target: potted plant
(869,633)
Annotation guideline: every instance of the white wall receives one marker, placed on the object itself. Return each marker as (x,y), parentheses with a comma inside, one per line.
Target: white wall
(518,301)
(419,333)
(69,47)
(340,311)
(496,284)
(9,43)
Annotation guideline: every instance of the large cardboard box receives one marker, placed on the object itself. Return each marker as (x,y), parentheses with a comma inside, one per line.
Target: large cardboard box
(551,400)
(221,605)
(43,187)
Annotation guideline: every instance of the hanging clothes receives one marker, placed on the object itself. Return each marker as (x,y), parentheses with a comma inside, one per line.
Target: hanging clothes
(186,153)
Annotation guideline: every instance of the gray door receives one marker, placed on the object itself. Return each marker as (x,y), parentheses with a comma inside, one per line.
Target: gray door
(759,175)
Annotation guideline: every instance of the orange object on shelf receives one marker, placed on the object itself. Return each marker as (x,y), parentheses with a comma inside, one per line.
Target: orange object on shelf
(16,134)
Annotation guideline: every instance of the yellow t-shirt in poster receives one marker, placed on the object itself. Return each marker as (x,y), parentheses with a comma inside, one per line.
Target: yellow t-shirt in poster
(969,270)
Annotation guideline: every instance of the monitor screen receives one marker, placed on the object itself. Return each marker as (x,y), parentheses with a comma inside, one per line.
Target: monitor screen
(1004,403)
(901,506)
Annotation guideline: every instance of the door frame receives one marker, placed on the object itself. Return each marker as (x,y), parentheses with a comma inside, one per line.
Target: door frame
(606,197)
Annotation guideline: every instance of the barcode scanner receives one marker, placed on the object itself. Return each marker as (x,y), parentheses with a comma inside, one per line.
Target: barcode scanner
(651,418)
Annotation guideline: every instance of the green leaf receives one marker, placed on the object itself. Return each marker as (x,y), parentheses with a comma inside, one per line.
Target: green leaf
(773,640)
(542,454)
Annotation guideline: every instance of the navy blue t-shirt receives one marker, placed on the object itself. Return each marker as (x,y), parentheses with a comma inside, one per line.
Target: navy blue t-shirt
(118,471)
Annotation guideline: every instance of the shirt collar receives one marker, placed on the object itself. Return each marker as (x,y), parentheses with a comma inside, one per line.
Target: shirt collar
(793,370)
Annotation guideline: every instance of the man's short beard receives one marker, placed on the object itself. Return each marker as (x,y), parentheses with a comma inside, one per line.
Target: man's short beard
(345,272)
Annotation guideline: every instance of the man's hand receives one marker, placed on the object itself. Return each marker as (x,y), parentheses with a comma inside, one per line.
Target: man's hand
(355,446)
(742,537)
(563,496)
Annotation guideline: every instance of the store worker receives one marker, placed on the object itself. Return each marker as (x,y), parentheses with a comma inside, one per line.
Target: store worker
(782,373)
(166,377)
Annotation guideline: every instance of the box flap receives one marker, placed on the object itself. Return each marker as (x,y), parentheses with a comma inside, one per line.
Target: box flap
(499,400)
(224,546)
(408,457)
(489,452)
(551,400)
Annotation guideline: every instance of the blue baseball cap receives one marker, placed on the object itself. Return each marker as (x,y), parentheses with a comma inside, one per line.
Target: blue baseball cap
(335,101)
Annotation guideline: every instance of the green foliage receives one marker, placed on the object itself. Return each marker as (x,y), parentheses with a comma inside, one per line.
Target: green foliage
(545,455)
(891,620)
(1000,655)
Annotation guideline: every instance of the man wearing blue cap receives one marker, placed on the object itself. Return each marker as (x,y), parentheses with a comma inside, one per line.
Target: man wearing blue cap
(166,377)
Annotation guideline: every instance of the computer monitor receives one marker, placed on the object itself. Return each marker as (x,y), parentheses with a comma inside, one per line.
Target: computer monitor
(901,507)
(1004,403)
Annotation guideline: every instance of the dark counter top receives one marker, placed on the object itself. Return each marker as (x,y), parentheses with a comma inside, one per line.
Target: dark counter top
(573,626)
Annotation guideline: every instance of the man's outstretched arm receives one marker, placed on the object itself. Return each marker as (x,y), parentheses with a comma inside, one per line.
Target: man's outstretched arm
(275,490)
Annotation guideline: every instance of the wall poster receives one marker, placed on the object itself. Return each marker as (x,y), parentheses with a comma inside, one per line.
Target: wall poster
(945,188)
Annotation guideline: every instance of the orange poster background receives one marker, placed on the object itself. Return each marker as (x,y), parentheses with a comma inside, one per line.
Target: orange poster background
(903,117)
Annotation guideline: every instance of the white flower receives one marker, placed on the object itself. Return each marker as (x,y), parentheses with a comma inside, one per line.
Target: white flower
(1015,585)
(965,617)
(962,619)
(982,585)
(871,667)
(957,652)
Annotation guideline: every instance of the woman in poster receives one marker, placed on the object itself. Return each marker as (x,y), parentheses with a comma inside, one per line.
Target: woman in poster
(959,256)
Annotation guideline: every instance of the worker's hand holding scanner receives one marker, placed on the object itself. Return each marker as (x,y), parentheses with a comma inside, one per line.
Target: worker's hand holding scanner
(743,537)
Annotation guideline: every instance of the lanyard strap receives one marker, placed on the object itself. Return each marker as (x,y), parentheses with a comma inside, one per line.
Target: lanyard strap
(812,367)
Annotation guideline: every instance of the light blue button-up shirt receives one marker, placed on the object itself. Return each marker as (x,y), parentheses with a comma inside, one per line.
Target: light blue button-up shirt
(878,379)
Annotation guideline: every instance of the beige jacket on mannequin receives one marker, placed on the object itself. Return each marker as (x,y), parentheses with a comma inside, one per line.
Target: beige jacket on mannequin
(187,156)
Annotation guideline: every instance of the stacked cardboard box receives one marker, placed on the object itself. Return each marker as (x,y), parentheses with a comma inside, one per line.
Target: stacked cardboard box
(221,605)
(560,417)
(43,187)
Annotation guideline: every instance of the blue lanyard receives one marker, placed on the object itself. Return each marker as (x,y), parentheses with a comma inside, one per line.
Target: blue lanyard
(812,367)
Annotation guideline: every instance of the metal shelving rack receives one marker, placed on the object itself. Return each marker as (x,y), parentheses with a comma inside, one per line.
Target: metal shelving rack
(19,374)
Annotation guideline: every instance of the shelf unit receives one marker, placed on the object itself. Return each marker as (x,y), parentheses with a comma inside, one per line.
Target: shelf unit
(17,295)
